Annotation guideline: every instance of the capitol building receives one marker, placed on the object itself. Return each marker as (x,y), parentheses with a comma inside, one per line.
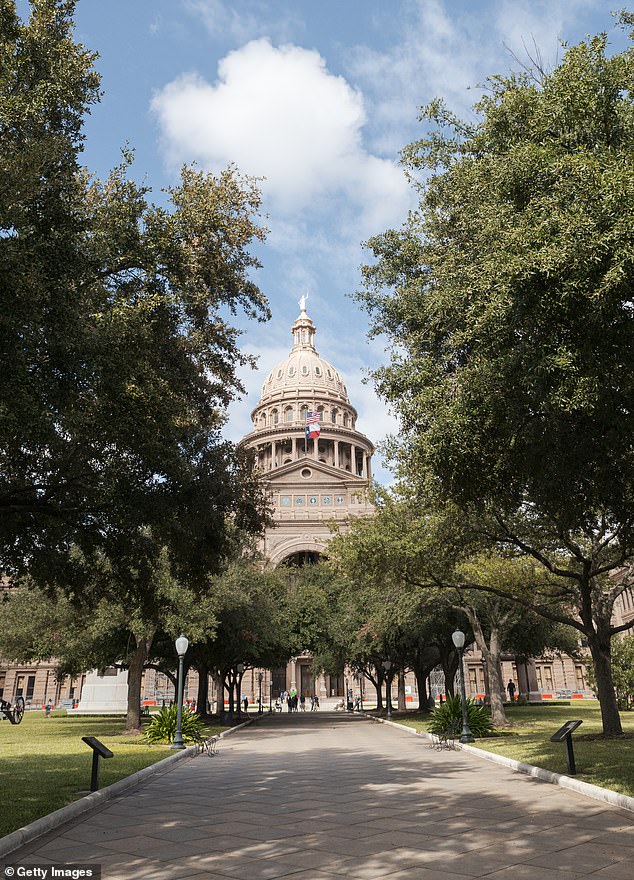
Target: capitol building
(313,480)
(310,480)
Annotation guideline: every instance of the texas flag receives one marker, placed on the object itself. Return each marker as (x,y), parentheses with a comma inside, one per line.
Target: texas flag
(312,425)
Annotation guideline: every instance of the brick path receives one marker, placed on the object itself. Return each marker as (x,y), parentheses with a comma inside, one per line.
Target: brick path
(323,796)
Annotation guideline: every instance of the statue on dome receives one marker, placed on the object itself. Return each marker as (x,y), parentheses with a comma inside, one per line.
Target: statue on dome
(302,302)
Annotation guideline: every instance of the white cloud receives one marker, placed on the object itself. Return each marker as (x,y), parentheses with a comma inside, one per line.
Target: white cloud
(243,21)
(440,51)
(279,114)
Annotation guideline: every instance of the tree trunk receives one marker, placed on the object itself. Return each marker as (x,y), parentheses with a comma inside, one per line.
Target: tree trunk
(421,687)
(219,686)
(449,665)
(491,656)
(600,650)
(203,689)
(135,675)
(402,705)
(378,685)
(228,686)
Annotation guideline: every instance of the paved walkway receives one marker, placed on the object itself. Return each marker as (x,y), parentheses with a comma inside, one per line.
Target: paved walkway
(323,796)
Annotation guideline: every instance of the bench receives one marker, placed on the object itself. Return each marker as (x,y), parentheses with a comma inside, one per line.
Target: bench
(446,739)
(206,745)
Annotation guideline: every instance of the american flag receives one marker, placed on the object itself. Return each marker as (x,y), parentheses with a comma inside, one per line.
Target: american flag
(312,418)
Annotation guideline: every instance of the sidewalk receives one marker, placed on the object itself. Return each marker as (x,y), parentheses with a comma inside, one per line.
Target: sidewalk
(323,796)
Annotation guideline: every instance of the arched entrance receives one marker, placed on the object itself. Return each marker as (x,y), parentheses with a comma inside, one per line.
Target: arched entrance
(301,558)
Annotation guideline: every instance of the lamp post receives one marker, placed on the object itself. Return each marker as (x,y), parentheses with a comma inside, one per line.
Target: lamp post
(387,665)
(181,649)
(260,677)
(466,736)
(271,694)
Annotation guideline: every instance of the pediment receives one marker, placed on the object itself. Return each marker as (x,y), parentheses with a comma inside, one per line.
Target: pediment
(290,474)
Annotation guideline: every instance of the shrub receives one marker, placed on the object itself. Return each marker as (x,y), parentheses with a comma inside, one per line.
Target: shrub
(162,727)
(478,716)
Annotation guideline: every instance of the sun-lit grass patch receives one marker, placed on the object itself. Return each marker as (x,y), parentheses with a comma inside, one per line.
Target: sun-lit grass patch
(44,764)
(605,762)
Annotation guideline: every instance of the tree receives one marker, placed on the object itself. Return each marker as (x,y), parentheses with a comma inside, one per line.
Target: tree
(253,626)
(118,354)
(622,659)
(102,627)
(507,297)
(424,589)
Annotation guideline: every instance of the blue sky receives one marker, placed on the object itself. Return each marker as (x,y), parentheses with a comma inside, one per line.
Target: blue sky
(318,98)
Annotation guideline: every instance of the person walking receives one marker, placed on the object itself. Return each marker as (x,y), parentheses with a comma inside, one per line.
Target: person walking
(511,689)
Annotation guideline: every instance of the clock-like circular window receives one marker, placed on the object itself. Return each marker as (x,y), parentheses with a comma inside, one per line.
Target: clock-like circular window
(306,473)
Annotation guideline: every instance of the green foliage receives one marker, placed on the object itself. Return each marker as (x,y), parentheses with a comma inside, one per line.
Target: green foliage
(507,300)
(622,663)
(450,712)
(119,358)
(162,727)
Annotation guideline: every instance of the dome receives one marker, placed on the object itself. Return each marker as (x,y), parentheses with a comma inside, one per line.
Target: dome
(303,371)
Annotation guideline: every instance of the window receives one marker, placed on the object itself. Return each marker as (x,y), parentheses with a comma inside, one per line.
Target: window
(30,687)
(305,370)
(275,417)
(288,415)
(581,678)
(473,681)
(318,371)
(548,677)
(291,370)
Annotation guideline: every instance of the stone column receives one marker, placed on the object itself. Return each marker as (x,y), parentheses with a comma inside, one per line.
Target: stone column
(294,448)
(273,453)
(336,453)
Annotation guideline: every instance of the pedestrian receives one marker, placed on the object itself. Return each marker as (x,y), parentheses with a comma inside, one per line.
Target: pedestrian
(245,703)
(511,689)
(47,709)
(302,703)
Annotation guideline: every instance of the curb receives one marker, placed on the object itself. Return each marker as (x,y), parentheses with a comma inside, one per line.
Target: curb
(625,802)
(26,834)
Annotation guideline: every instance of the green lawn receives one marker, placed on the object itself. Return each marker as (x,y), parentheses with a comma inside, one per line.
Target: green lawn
(44,764)
(608,763)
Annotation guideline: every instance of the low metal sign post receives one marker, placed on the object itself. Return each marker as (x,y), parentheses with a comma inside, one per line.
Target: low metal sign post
(564,734)
(98,751)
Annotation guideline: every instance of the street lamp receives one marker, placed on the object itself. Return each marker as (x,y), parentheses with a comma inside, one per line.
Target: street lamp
(181,649)
(271,693)
(466,736)
(387,665)
(260,677)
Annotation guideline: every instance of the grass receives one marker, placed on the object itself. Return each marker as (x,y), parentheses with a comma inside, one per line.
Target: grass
(45,765)
(605,762)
